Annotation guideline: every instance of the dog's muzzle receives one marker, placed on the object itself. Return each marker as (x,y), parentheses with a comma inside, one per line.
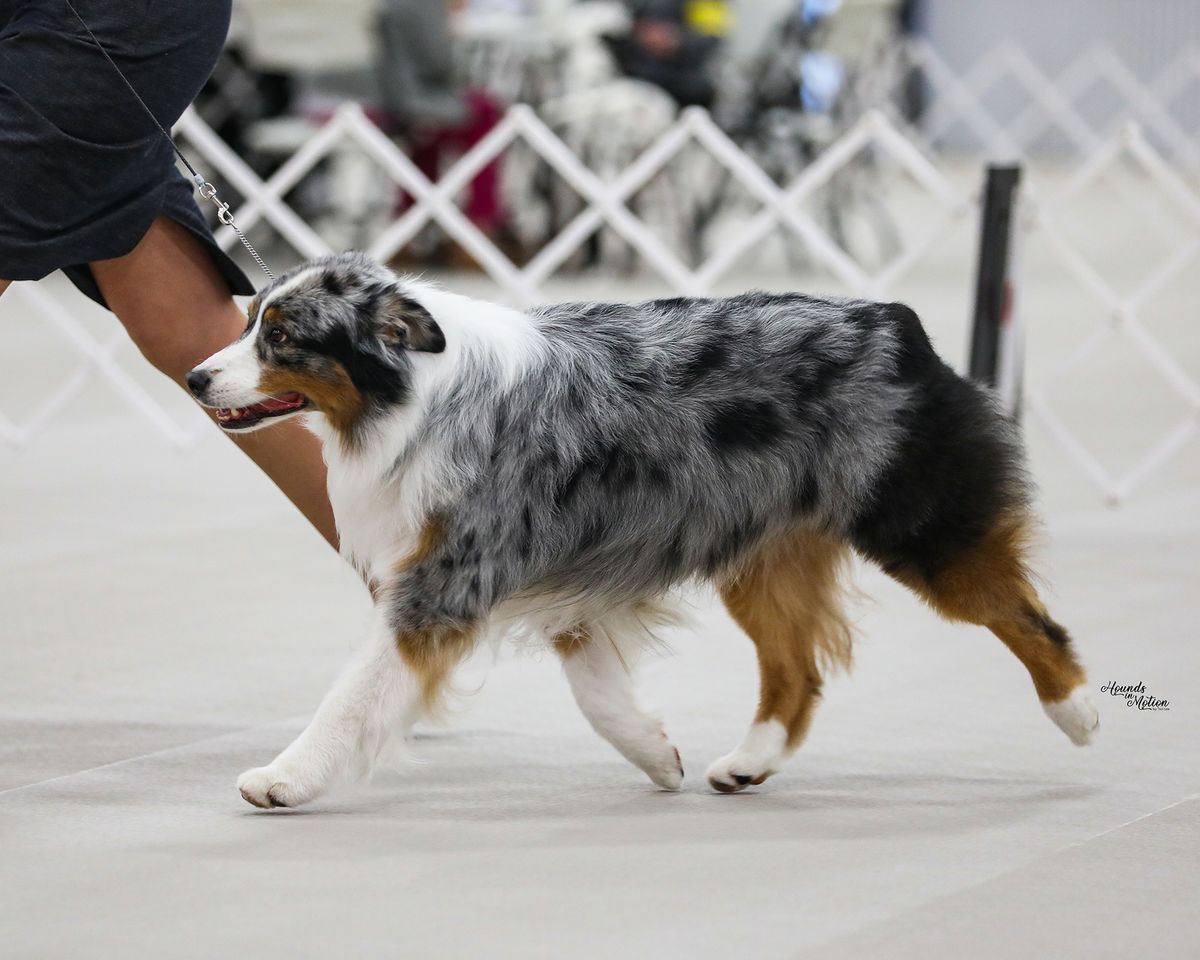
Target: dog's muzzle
(242,418)
(198,381)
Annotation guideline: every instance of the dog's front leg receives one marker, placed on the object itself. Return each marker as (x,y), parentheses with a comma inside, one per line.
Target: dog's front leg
(376,693)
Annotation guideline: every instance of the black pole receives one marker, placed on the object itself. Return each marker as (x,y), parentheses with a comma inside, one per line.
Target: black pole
(993,295)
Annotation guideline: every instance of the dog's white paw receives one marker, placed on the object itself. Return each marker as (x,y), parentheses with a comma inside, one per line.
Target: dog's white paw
(644,744)
(276,786)
(1075,716)
(664,767)
(759,755)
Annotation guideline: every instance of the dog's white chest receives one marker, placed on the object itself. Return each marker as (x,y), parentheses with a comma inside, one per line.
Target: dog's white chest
(374,529)
(379,511)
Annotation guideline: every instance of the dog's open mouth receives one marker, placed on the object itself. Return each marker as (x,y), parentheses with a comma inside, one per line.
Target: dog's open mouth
(240,418)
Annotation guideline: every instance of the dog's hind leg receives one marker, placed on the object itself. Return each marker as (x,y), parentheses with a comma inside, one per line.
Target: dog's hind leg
(788,599)
(601,681)
(989,584)
(386,687)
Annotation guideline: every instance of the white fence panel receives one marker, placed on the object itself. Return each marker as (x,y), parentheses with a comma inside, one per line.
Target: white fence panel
(878,132)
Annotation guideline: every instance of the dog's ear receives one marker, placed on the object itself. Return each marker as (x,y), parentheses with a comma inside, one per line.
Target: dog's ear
(408,325)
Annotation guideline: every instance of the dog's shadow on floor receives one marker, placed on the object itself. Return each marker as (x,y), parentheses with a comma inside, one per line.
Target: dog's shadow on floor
(459,808)
(473,781)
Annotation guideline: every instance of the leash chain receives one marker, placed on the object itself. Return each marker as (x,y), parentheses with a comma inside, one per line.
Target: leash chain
(205,189)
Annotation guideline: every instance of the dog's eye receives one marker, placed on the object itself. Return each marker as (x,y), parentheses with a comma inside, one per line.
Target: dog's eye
(277,335)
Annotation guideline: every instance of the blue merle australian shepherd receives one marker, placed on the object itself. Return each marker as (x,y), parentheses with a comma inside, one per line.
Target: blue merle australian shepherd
(561,472)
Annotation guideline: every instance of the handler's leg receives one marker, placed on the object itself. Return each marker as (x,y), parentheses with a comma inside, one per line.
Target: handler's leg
(178,311)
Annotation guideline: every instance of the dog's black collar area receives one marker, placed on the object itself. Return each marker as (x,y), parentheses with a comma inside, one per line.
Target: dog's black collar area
(242,418)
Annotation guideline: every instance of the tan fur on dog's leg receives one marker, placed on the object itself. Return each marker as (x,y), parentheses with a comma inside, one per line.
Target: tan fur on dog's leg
(990,585)
(788,599)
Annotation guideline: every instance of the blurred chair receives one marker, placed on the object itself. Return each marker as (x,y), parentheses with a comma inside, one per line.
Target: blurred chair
(328,48)
(438,116)
(308,36)
(414,61)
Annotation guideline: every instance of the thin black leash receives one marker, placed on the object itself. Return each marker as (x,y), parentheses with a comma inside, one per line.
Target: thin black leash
(206,189)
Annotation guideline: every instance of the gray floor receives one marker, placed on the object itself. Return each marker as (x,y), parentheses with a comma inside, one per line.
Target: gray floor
(168,623)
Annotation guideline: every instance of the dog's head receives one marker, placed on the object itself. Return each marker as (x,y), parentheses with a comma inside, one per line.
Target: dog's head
(335,336)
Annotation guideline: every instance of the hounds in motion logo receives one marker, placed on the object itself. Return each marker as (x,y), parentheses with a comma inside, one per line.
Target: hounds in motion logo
(1135,695)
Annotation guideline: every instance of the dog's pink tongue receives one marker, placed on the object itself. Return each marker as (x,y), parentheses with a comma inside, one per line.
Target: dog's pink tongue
(275,404)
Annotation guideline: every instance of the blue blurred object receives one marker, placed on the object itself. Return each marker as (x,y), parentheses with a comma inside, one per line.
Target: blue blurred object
(821,77)
(813,10)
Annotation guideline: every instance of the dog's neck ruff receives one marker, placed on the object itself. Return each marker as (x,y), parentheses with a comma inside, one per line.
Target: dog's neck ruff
(399,467)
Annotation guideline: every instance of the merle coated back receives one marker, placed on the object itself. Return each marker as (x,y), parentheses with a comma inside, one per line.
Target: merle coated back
(656,442)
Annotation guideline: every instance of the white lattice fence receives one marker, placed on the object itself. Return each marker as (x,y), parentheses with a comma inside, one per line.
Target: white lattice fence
(1141,124)
(1041,104)
(781,208)
(1120,314)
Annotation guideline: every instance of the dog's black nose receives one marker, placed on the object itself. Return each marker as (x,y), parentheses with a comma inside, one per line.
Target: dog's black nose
(197,380)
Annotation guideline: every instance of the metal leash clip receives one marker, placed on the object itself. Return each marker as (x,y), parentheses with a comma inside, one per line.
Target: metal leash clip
(209,192)
(204,188)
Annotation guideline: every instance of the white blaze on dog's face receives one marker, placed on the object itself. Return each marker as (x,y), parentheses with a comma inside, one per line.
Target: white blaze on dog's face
(331,337)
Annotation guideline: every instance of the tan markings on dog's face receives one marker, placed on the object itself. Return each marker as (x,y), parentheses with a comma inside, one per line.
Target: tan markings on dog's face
(327,386)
